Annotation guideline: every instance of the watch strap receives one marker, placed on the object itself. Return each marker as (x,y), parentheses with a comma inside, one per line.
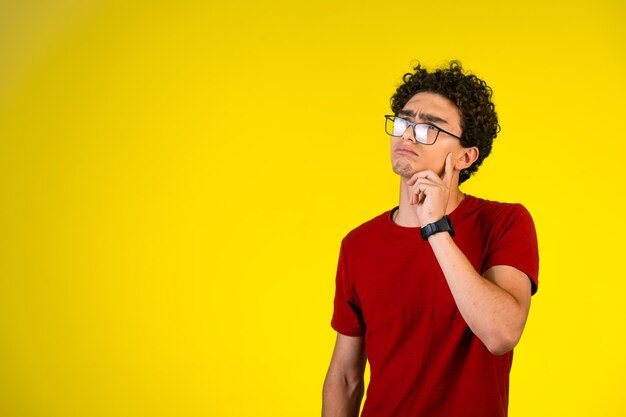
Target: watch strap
(442,225)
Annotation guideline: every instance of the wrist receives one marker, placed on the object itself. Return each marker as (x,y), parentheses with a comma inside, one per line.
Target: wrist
(437,238)
(444,224)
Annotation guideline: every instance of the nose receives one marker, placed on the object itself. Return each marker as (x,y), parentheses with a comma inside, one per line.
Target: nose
(409,134)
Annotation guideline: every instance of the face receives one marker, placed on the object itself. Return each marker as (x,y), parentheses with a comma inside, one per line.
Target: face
(407,155)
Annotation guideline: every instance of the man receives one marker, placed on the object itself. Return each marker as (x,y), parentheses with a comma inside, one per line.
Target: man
(434,293)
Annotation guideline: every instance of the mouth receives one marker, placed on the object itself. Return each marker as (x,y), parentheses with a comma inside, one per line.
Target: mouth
(405,151)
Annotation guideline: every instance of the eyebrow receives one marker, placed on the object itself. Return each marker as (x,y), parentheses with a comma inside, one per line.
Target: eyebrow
(426,116)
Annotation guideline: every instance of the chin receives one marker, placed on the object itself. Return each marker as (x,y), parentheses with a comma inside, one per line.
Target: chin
(404,170)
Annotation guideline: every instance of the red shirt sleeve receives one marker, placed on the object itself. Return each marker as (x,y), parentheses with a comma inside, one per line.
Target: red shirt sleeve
(514,243)
(347,315)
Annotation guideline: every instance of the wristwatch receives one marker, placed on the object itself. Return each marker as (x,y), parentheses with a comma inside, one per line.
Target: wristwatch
(442,225)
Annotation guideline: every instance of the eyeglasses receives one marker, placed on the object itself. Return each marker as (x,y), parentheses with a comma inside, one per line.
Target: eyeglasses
(424,133)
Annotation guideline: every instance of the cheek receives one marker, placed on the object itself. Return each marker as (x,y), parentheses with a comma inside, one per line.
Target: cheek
(393,143)
(451,147)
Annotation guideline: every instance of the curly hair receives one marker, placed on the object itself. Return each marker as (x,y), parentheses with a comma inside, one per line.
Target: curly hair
(470,94)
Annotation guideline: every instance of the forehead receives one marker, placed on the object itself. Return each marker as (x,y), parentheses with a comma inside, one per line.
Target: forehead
(435,105)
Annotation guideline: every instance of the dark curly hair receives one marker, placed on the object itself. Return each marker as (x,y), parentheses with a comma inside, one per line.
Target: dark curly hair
(470,94)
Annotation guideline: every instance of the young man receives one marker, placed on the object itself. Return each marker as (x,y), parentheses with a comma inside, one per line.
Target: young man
(435,292)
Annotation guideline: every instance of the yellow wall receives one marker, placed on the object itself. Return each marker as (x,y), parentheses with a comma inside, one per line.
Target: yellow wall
(176,178)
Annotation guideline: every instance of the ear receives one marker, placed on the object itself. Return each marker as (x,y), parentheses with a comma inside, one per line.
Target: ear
(466,158)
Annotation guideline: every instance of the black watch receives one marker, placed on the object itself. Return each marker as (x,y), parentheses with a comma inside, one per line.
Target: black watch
(443,225)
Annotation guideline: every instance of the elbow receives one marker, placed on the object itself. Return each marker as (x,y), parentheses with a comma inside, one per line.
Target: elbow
(500,349)
(502,342)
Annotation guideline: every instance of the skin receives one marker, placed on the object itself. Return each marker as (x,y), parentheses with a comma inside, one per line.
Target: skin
(344,385)
(495,305)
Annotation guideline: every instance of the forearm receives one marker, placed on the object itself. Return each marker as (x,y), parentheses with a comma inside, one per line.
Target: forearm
(492,313)
(341,398)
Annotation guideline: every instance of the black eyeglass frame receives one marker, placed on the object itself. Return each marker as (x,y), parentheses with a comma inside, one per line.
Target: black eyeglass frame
(390,117)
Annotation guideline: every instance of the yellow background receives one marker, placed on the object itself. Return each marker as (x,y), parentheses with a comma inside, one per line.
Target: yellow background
(176,178)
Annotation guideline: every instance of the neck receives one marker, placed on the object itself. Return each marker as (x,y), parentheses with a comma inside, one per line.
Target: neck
(406,215)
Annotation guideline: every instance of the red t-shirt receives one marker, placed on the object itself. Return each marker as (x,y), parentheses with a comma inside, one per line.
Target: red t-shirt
(424,359)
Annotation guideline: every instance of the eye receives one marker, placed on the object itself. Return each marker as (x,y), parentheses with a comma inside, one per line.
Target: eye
(399,126)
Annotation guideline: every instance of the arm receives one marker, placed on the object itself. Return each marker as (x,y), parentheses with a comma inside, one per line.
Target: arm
(344,385)
(495,306)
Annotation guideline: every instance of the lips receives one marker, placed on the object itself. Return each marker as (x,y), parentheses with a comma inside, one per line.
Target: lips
(405,150)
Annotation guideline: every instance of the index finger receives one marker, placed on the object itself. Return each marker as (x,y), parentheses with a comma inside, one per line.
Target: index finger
(448,170)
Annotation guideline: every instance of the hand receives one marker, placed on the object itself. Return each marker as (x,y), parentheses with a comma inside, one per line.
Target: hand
(430,193)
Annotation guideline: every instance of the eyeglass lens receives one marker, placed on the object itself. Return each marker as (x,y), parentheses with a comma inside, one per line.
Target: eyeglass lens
(423,133)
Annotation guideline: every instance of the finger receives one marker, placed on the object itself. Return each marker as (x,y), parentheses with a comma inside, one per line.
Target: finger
(421,189)
(429,174)
(415,194)
(414,178)
(422,197)
(427,181)
(420,183)
(449,169)
(417,198)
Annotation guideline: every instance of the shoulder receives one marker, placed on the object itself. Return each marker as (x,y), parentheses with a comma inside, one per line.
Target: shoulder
(511,238)
(496,218)
(499,211)
(368,230)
